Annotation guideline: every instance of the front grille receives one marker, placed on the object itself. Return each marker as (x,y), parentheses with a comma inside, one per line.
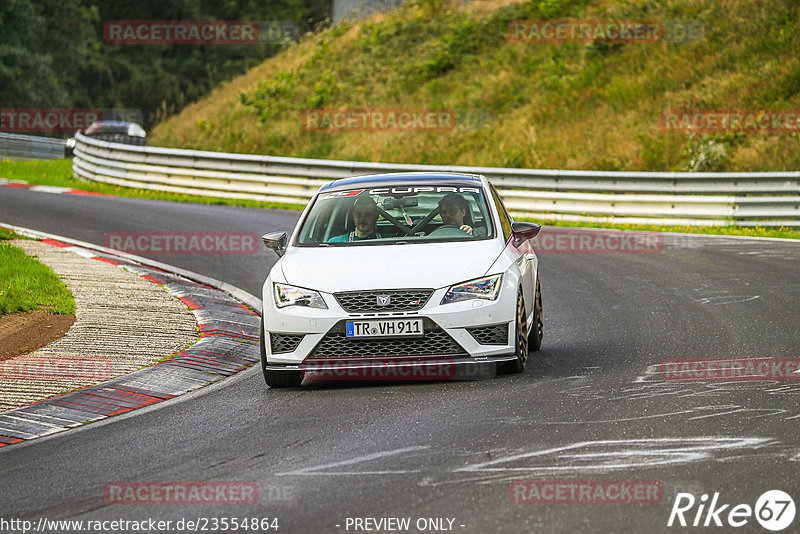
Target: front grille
(367,301)
(490,335)
(435,342)
(284,342)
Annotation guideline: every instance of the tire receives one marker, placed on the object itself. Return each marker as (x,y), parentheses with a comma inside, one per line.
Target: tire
(537,331)
(277,379)
(521,345)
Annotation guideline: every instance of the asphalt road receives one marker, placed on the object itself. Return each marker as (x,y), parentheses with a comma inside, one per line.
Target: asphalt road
(589,407)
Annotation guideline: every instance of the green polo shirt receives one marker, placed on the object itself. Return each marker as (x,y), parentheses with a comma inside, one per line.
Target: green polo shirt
(346,238)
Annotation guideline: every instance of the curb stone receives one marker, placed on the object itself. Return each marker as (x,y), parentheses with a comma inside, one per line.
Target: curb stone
(123,323)
(15,184)
(228,344)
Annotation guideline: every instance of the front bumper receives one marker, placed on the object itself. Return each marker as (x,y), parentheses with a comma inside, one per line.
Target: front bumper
(456,322)
(463,368)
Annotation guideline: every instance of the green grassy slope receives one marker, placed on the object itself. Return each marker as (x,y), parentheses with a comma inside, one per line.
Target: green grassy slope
(575,105)
(26,284)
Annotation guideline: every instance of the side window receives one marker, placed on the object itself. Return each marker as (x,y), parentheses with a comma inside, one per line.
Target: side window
(505,219)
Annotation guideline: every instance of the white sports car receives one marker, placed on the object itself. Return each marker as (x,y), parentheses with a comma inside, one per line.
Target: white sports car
(405,273)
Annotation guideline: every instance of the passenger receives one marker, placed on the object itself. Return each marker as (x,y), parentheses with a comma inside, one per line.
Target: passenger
(365,216)
(453,208)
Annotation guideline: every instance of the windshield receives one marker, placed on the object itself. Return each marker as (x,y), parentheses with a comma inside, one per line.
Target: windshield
(396,215)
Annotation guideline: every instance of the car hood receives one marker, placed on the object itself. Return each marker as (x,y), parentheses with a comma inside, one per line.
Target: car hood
(350,268)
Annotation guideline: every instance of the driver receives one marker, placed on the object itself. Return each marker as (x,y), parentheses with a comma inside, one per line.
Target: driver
(453,208)
(365,216)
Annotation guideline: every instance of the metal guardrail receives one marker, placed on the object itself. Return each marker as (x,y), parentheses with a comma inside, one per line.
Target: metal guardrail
(768,199)
(356,9)
(15,146)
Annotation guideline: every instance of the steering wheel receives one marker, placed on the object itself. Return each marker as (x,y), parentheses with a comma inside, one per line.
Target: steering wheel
(450,230)
(428,218)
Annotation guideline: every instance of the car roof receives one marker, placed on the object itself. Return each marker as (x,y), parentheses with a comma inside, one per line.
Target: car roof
(382,180)
(103,126)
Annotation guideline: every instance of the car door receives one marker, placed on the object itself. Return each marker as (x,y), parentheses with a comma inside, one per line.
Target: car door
(525,258)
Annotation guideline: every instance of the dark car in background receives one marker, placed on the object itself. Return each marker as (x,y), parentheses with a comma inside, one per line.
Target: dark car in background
(126,132)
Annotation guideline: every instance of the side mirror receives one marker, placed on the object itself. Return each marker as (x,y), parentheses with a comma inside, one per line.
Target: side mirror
(523,231)
(275,241)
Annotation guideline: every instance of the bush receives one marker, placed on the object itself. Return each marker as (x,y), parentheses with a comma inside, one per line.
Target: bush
(267,99)
(704,155)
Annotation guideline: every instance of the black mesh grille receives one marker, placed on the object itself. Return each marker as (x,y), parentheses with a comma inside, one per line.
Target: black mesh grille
(435,342)
(367,301)
(284,342)
(490,335)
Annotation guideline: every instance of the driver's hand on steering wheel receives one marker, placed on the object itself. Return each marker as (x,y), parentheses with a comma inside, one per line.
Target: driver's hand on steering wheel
(466,228)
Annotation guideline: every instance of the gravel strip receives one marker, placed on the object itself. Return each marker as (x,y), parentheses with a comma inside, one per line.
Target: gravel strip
(123,323)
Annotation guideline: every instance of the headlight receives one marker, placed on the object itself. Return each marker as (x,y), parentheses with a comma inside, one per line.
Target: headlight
(483,288)
(286,295)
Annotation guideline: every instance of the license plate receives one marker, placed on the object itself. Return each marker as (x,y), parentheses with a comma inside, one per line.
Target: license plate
(385,328)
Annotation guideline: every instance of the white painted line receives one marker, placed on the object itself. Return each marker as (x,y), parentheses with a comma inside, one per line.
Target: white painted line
(80,251)
(728,299)
(11,433)
(736,409)
(619,419)
(366,458)
(53,428)
(651,370)
(607,455)
(49,189)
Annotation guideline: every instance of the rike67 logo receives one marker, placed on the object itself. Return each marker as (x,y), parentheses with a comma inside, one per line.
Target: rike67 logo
(774,510)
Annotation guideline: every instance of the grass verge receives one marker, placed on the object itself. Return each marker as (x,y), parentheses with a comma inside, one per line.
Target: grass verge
(6,234)
(26,284)
(747,231)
